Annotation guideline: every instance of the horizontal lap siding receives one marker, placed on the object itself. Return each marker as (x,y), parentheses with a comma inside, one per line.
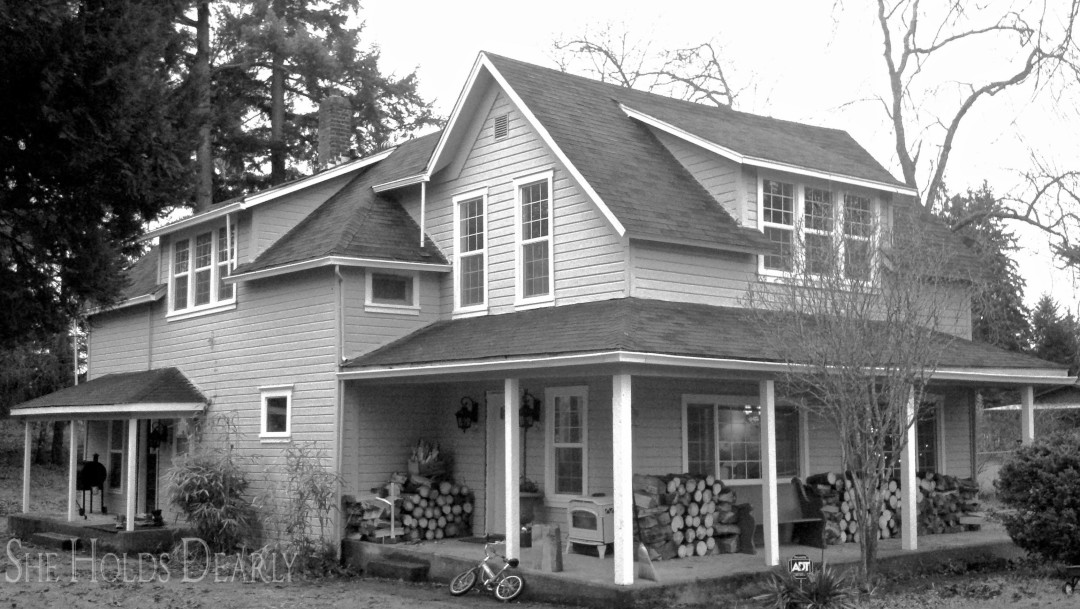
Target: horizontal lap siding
(957,441)
(669,273)
(365,331)
(589,259)
(270,221)
(824,446)
(717,175)
(119,341)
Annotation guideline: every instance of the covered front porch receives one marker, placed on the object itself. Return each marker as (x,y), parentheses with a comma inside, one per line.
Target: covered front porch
(119,462)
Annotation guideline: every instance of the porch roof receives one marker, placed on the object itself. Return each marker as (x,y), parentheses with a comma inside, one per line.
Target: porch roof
(635,330)
(158,393)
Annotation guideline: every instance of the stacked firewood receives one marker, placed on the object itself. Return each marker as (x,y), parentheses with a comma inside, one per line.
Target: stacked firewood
(436,511)
(946,505)
(679,515)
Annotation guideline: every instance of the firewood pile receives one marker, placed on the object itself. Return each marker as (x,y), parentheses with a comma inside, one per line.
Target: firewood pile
(418,507)
(679,515)
(946,504)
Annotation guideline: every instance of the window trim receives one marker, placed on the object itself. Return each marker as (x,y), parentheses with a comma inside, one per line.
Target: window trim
(550,394)
(520,300)
(276,391)
(879,212)
(216,266)
(482,307)
(370,306)
(731,400)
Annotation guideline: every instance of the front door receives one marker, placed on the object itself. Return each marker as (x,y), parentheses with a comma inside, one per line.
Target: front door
(495,481)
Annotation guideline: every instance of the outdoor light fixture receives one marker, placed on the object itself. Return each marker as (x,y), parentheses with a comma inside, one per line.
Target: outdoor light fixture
(529,413)
(468,414)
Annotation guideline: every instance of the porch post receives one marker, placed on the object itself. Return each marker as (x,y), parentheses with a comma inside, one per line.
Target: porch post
(511,405)
(26,469)
(1027,414)
(770,517)
(622,477)
(73,465)
(132,468)
(908,509)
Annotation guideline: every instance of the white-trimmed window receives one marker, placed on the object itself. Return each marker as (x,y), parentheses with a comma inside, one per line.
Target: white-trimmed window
(722,437)
(470,253)
(535,263)
(392,292)
(567,440)
(117,446)
(817,225)
(276,415)
(199,267)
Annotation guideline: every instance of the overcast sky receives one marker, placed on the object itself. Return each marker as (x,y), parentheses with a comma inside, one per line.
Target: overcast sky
(806,61)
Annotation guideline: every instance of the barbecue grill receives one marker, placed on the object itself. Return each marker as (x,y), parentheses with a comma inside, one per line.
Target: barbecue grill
(90,475)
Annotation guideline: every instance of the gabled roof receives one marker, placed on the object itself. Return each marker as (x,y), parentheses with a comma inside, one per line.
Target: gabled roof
(161,392)
(631,325)
(358,223)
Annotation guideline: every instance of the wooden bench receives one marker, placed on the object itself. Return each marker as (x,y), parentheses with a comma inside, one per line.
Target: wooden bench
(803,515)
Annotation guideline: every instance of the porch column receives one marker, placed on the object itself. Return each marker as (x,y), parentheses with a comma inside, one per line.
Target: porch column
(622,477)
(1027,414)
(26,469)
(908,463)
(512,470)
(73,465)
(132,468)
(769,517)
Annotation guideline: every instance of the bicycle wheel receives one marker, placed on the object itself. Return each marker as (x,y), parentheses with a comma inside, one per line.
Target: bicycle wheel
(463,582)
(509,588)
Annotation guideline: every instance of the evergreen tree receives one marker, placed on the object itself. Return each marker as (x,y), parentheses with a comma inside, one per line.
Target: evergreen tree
(1055,337)
(998,314)
(89,151)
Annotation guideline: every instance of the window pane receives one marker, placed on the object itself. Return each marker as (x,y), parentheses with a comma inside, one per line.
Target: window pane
(740,445)
(857,258)
(116,435)
(568,420)
(180,257)
(700,439)
(534,268)
(472,225)
(277,415)
(391,289)
(818,211)
(225,290)
(472,279)
(781,261)
(568,470)
(116,469)
(819,254)
(787,442)
(202,287)
(180,292)
(926,437)
(534,211)
(858,216)
(204,250)
(778,201)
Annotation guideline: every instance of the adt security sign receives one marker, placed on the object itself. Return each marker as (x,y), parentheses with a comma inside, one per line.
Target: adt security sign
(800,566)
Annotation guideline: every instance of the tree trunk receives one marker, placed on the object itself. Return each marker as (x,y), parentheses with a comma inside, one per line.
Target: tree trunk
(41,434)
(56,452)
(204,182)
(277,109)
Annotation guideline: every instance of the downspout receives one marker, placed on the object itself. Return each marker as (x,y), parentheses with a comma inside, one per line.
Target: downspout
(339,399)
(423,208)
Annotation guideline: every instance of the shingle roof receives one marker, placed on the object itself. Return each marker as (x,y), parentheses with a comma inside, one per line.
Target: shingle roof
(143,276)
(624,324)
(358,222)
(159,386)
(649,191)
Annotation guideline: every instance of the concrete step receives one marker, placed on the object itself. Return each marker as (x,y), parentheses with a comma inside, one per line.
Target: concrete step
(409,571)
(57,541)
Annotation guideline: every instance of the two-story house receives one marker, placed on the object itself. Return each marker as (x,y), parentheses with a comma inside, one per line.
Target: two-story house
(561,238)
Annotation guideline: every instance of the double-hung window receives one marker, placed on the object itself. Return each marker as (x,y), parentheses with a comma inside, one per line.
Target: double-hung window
(200,265)
(568,433)
(535,265)
(276,416)
(722,437)
(470,237)
(817,229)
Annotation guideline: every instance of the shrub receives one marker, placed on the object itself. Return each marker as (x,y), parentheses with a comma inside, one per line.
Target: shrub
(209,486)
(826,588)
(1041,482)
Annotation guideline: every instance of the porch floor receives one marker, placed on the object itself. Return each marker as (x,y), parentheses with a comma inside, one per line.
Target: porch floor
(587,579)
(99,527)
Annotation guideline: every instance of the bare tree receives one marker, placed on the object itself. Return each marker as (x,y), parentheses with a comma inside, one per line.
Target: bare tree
(1039,40)
(854,322)
(610,53)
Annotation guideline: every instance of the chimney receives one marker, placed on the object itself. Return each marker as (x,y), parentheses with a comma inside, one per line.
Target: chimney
(335,129)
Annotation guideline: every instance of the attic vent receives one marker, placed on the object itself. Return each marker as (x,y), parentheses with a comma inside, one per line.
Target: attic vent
(502,126)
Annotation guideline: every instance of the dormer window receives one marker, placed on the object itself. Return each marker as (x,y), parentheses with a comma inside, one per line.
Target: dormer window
(816,228)
(200,265)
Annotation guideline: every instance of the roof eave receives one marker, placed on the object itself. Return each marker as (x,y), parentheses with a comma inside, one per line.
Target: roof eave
(154,296)
(330,261)
(738,157)
(157,410)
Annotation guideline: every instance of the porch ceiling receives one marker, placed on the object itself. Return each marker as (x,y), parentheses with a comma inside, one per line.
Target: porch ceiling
(159,393)
(632,331)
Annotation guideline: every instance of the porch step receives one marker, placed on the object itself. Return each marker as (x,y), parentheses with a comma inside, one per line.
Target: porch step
(409,571)
(57,541)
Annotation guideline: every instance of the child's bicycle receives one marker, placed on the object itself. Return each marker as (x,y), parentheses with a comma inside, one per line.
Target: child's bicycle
(506,586)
